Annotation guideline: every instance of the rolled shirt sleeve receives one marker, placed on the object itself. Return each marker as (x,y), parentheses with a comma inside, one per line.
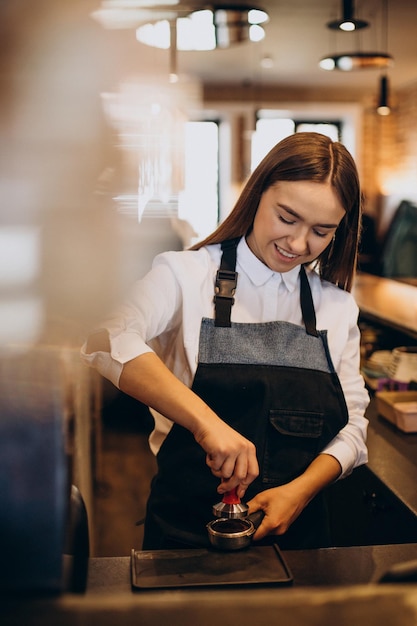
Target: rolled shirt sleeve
(349,446)
(150,311)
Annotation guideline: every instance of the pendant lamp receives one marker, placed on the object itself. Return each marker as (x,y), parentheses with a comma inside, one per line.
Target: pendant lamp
(215,26)
(358,59)
(383,107)
(348,22)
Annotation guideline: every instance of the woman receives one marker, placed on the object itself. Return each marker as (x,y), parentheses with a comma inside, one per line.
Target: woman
(246,348)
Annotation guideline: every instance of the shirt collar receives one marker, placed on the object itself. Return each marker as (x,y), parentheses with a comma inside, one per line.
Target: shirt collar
(259,273)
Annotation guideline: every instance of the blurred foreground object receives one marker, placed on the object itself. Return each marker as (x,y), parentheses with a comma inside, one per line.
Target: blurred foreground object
(59,250)
(33,473)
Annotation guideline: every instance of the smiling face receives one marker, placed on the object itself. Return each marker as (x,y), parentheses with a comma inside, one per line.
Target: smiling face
(294,223)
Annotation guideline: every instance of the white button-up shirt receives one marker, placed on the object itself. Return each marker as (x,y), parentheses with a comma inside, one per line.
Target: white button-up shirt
(164,312)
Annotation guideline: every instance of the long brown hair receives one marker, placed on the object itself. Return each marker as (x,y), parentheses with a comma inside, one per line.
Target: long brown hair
(305,156)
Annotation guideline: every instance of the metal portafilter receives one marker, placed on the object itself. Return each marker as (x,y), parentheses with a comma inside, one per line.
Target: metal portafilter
(233,527)
(231,506)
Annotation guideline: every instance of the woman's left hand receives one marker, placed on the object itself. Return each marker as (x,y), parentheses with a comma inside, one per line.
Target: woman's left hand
(282,505)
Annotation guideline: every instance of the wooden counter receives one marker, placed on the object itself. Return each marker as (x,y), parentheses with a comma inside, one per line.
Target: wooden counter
(388,302)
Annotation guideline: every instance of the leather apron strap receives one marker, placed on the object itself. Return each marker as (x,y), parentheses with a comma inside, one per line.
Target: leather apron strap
(225,288)
(226,281)
(307,305)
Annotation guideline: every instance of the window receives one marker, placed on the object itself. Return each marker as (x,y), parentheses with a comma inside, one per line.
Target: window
(268,132)
(331,129)
(198,204)
(271,128)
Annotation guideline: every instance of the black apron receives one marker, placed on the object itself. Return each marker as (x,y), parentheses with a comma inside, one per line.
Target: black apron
(273,382)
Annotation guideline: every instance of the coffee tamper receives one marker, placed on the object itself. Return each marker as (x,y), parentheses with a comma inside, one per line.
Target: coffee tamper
(231,506)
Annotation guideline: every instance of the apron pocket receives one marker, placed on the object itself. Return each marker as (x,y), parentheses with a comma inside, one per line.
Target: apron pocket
(292,442)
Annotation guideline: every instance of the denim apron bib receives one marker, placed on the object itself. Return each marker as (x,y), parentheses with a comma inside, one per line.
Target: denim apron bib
(273,382)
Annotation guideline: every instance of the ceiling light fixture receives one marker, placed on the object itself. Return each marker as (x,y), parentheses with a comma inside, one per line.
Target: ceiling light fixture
(267,62)
(234,24)
(349,61)
(348,22)
(359,60)
(383,107)
(220,26)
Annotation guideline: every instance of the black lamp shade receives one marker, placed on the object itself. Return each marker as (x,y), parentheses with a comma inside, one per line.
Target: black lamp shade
(383,107)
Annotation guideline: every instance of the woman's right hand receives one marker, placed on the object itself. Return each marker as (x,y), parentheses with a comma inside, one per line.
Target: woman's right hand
(230,456)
